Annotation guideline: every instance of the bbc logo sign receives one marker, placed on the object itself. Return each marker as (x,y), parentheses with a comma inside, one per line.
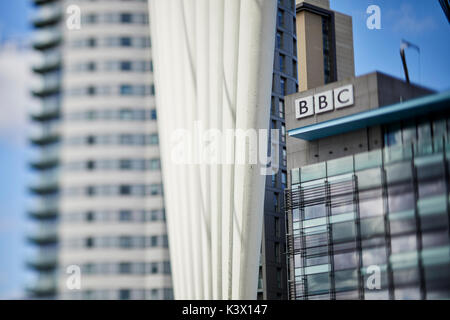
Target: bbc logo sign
(324,102)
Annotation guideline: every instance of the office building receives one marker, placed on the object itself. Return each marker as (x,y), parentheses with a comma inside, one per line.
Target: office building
(313,46)
(273,271)
(100,181)
(368,200)
(324,44)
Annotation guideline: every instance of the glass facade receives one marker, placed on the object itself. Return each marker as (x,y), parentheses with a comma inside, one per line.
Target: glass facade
(374,225)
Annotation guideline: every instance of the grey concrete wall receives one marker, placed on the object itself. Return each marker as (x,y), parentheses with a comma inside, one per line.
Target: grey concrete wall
(345,57)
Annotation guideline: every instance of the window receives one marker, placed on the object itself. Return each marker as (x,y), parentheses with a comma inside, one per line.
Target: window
(165,241)
(272,106)
(89,216)
(126,89)
(91,66)
(282,62)
(294,69)
(125,164)
(153,114)
(154,294)
(283,179)
(284,157)
(90,191)
(125,190)
(168,293)
(154,189)
(283,86)
(393,135)
(153,268)
(90,165)
(279,40)
(154,164)
(125,42)
(126,18)
(345,261)
(125,66)
(125,215)
(281,108)
(274,180)
(152,139)
(260,279)
(315,211)
(90,140)
(91,42)
(166,267)
(277,252)
(124,294)
(276,201)
(153,241)
(91,18)
(91,91)
(274,124)
(401,197)
(125,268)
(279,277)
(280,18)
(277,227)
(154,215)
(125,242)
(424,131)
(89,242)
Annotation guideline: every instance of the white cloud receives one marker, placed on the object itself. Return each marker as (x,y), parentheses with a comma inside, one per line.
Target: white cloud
(15,99)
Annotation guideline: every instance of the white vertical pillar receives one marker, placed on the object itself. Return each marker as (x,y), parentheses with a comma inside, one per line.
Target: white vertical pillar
(222,77)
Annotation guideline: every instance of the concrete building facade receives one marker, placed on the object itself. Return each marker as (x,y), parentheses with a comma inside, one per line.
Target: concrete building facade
(324,44)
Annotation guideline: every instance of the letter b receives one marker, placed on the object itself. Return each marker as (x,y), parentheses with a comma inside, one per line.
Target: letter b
(304,107)
(324,102)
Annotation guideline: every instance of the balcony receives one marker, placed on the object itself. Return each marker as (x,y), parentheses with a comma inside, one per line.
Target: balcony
(45,135)
(44,234)
(46,111)
(44,286)
(47,87)
(46,159)
(44,40)
(39,2)
(49,62)
(44,260)
(45,184)
(47,15)
(44,209)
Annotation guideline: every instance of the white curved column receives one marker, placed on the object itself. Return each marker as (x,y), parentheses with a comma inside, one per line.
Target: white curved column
(213,67)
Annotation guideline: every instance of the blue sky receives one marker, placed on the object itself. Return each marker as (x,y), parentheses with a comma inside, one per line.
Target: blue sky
(421,22)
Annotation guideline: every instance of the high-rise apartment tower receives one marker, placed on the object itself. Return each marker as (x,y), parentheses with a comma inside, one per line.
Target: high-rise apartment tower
(99,163)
